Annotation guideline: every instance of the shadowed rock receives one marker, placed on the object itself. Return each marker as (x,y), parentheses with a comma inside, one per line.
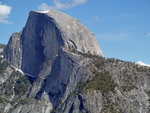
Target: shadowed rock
(44,35)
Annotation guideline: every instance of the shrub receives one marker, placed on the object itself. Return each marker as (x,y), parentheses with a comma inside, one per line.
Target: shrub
(2,46)
(14,74)
(3,66)
(2,100)
(110,107)
(102,82)
(8,87)
(53,111)
(22,85)
(128,83)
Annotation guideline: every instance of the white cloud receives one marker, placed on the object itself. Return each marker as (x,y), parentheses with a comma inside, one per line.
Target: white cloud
(5,10)
(148,34)
(60,4)
(114,37)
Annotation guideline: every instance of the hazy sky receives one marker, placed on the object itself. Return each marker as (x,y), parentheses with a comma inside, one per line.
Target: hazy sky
(122,27)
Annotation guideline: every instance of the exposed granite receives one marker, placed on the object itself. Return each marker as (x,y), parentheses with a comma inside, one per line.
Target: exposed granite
(68,72)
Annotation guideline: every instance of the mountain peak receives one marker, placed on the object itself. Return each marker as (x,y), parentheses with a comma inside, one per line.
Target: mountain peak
(66,71)
(73,33)
(44,36)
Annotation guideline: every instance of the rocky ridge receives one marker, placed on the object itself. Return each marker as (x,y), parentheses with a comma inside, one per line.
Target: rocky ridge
(43,37)
(68,72)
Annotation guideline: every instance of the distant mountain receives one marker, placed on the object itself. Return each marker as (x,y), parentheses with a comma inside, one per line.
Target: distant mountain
(142,64)
(55,65)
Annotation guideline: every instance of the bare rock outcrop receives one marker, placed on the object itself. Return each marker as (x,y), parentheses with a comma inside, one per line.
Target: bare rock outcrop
(43,37)
(64,71)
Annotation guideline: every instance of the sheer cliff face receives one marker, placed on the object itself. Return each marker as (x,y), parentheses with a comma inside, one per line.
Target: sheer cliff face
(67,72)
(44,35)
(41,40)
(13,51)
(44,50)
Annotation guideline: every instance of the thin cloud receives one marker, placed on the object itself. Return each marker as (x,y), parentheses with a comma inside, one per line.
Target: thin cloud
(114,37)
(5,11)
(148,34)
(60,4)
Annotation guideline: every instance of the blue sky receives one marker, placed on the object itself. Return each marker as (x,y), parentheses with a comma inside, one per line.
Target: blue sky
(122,27)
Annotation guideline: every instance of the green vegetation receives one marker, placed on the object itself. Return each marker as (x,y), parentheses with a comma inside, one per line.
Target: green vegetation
(127,88)
(17,102)
(110,107)
(3,66)
(53,111)
(79,88)
(8,87)
(2,100)
(141,68)
(2,46)
(87,55)
(14,74)
(26,101)
(98,61)
(99,64)
(102,82)
(22,85)
(128,83)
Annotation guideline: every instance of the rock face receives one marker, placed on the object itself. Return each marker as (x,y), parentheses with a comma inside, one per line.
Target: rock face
(13,51)
(67,72)
(43,37)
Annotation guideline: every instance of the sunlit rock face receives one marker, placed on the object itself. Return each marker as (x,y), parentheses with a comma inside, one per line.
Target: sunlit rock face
(67,72)
(44,35)
(47,51)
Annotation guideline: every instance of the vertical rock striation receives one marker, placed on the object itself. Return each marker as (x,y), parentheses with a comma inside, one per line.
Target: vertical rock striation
(44,35)
(13,51)
(67,72)
(44,50)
